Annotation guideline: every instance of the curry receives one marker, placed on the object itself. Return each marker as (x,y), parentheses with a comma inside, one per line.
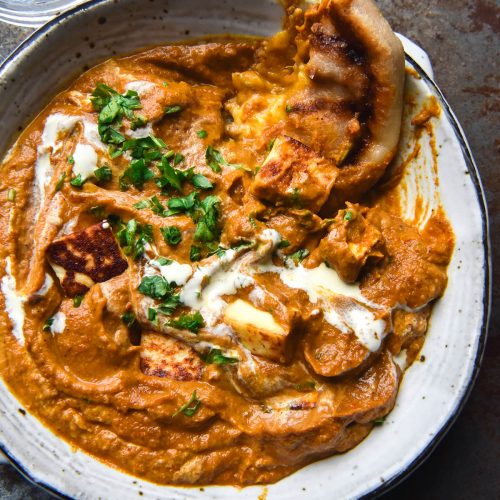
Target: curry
(206,277)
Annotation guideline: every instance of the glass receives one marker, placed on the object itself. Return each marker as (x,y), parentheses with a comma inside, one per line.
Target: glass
(33,13)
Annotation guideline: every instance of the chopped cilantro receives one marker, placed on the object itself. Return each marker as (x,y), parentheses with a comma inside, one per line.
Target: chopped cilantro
(207,225)
(189,408)
(71,160)
(178,158)
(133,236)
(195,253)
(156,287)
(103,174)
(112,107)
(215,357)
(171,234)
(60,182)
(136,174)
(47,326)
(11,195)
(170,176)
(171,110)
(379,421)
(138,122)
(128,318)
(348,215)
(283,244)
(163,261)
(252,222)
(152,315)
(201,182)
(201,134)
(288,108)
(77,181)
(270,144)
(192,322)
(298,256)
(184,204)
(214,159)
(77,300)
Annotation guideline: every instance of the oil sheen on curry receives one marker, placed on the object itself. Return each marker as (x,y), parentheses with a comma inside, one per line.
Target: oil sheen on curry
(206,276)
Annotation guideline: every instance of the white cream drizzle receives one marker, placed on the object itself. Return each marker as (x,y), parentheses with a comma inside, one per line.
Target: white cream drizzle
(46,286)
(142,87)
(85,159)
(58,323)
(14,302)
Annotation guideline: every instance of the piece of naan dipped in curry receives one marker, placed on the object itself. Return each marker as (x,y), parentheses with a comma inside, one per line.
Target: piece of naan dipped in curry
(203,280)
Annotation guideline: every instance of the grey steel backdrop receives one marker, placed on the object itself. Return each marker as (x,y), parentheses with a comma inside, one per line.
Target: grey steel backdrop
(462,38)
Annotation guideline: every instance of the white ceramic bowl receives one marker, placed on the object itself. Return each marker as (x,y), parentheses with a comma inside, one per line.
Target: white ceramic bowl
(432,393)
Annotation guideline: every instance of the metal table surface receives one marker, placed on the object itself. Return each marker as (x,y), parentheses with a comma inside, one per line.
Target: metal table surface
(462,38)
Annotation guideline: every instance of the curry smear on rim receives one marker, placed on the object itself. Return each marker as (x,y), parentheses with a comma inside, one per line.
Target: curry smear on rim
(206,274)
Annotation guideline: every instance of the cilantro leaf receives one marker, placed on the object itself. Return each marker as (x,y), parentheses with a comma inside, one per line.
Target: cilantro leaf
(207,225)
(195,253)
(182,204)
(155,287)
(298,256)
(215,357)
(192,322)
(189,408)
(60,182)
(103,174)
(171,234)
(136,174)
(171,110)
(201,182)
(77,181)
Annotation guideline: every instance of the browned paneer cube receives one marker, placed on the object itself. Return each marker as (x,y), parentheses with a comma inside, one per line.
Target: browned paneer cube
(86,257)
(294,175)
(164,356)
(351,241)
(258,330)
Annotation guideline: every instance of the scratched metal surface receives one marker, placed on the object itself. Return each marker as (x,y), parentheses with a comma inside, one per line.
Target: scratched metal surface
(462,38)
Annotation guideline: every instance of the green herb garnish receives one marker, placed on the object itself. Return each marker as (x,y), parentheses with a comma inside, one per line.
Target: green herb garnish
(103,174)
(189,408)
(170,110)
(47,326)
(171,234)
(215,357)
(60,182)
(348,215)
(77,300)
(11,194)
(283,244)
(133,236)
(201,134)
(298,256)
(192,322)
(195,253)
(201,182)
(77,182)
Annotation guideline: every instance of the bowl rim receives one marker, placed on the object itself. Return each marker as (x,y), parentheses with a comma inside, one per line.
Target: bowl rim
(475,177)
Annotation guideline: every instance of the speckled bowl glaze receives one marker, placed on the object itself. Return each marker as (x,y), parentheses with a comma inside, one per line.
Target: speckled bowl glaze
(432,393)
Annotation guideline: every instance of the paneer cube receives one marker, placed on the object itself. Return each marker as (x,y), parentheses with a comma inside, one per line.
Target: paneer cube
(258,330)
(351,241)
(164,356)
(86,257)
(294,175)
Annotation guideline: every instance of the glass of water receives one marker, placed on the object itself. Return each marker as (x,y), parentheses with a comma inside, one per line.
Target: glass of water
(33,13)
